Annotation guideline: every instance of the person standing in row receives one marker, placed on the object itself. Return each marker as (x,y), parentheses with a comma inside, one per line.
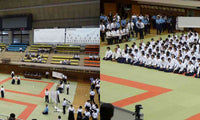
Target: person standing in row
(12,74)
(140,26)
(71,113)
(18,80)
(2,92)
(79,113)
(158,25)
(58,97)
(13,80)
(102,31)
(64,104)
(92,94)
(68,86)
(47,96)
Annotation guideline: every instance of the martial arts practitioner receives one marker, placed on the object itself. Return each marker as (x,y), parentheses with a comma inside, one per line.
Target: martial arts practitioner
(162,64)
(87,104)
(92,94)
(128,58)
(47,74)
(71,113)
(122,59)
(158,62)
(177,66)
(68,86)
(85,117)
(47,96)
(190,69)
(13,81)
(12,74)
(142,59)
(198,72)
(2,92)
(114,36)
(182,68)
(64,104)
(58,97)
(130,27)
(65,79)
(170,66)
(79,113)
(116,55)
(18,80)
(94,115)
(87,113)
(119,34)
(154,62)
(109,37)
(108,55)
(148,61)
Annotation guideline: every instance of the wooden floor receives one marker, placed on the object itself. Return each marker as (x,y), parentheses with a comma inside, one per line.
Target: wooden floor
(82,94)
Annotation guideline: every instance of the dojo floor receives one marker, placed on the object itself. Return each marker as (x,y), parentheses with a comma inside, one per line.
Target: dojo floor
(27,100)
(164,96)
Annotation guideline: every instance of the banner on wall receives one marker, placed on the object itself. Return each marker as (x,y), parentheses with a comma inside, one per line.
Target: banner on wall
(50,36)
(57,75)
(83,35)
(67,35)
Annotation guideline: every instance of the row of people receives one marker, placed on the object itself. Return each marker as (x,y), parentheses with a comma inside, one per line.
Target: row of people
(91,108)
(175,54)
(110,23)
(76,56)
(94,57)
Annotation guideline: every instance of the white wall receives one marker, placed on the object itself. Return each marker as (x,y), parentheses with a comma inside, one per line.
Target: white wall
(188,22)
(67,35)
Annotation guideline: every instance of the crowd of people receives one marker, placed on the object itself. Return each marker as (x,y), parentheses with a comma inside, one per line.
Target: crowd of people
(91,108)
(76,56)
(44,50)
(178,54)
(34,57)
(116,28)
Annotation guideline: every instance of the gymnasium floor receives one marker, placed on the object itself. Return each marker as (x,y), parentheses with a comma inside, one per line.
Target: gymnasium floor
(27,100)
(164,96)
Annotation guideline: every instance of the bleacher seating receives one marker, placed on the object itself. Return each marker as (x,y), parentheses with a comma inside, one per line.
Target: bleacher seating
(16,48)
(39,47)
(67,49)
(59,59)
(44,59)
(92,49)
(2,46)
(91,63)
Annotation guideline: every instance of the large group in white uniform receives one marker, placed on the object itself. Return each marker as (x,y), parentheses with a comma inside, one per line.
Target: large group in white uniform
(178,54)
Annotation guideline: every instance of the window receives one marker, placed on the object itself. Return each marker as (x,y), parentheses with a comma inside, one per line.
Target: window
(21,37)
(4,37)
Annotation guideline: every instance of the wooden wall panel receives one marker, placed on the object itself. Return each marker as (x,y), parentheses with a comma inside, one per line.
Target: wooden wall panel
(197,13)
(71,74)
(110,7)
(136,9)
